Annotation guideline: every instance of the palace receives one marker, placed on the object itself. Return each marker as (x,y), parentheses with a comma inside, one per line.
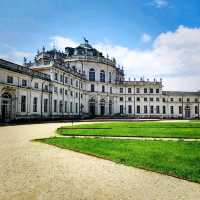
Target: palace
(82,82)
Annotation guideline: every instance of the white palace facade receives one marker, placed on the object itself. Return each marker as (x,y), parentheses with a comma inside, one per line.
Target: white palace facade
(82,82)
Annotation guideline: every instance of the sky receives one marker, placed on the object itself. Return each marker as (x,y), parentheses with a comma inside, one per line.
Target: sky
(149,38)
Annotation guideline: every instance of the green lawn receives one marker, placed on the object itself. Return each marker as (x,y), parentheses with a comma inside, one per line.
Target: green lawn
(181,159)
(143,129)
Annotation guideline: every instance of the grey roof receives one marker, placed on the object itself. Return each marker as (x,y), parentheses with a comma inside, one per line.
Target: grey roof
(180,93)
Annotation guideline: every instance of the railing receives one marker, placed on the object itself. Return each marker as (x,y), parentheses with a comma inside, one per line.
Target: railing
(18,68)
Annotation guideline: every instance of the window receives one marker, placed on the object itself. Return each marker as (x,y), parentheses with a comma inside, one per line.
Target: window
(129,90)
(110,90)
(138,109)
(103,88)
(46,87)
(164,110)
(66,92)
(55,105)
(61,78)
(180,100)
(60,106)
(145,98)
(76,83)
(121,109)
(121,98)
(138,99)
(164,100)
(151,98)
(102,76)
(129,109)
(55,89)
(110,77)
(129,99)
(65,106)
(36,86)
(23,103)
(196,110)
(71,107)
(157,99)
(151,109)
(35,104)
(56,76)
(171,99)
(76,94)
(66,79)
(92,74)
(71,93)
(71,81)
(45,105)
(81,95)
(157,109)
(121,90)
(157,91)
(188,100)
(76,107)
(61,90)
(172,110)
(9,79)
(24,83)
(145,90)
(180,108)
(92,87)
(145,110)
(196,100)
(151,90)
(137,90)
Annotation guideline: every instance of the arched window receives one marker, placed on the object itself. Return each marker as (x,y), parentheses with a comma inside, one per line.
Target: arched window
(92,74)
(102,76)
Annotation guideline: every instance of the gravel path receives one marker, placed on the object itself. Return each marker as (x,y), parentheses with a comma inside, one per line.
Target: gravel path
(31,170)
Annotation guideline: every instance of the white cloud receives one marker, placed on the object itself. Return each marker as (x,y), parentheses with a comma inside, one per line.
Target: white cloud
(62,42)
(174,56)
(146,38)
(159,3)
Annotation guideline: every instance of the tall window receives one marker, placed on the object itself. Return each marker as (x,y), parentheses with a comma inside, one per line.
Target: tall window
(55,105)
(92,74)
(137,90)
(65,106)
(61,106)
(110,90)
(145,109)
(23,103)
(110,77)
(157,109)
(145,90)
(164,110)
(172,109)
(129,109)
(121,109)
(24,83)
(196,110)
(138,109)
(180,109)
(103,88)
(102,76)
(45,105)
(35,104)
(10,79)
(151,109)
(92,87)
(71,107)
(76,107)
(129,90)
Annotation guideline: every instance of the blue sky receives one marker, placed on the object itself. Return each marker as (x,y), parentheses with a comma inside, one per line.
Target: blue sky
(133,27)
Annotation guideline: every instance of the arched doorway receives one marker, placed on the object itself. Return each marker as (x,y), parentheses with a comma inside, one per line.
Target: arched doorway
(6,106)
(92,106)
(102,107)
(187,112)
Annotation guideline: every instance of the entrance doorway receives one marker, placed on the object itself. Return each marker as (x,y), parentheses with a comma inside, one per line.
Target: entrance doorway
(92,106)
(187,112)
(102,107)
(6,106)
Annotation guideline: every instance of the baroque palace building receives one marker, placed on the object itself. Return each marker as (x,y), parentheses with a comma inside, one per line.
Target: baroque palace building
(82,82)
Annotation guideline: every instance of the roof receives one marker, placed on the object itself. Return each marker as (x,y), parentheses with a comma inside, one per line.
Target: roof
(180,93)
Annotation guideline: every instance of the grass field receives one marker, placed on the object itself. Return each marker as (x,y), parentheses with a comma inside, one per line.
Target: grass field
(142,129)
(180,159)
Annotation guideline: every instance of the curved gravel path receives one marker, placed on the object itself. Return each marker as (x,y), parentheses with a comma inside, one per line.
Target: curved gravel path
(31,170)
